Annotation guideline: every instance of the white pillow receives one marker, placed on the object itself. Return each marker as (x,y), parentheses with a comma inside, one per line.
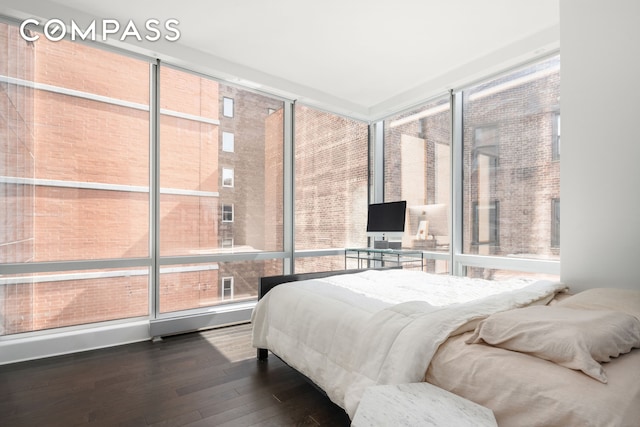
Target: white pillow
(573,338)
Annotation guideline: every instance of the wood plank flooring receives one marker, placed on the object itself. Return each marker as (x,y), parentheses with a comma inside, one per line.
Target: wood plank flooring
(208,378)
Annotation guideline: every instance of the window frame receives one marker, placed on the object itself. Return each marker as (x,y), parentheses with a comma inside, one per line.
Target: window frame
(230,212)
(232,178)
(223,288)
(227,245)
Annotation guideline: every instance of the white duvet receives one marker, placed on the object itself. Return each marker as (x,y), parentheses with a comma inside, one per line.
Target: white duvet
(352,331)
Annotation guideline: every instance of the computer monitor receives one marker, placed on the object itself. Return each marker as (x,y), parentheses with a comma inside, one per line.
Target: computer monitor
(386,219)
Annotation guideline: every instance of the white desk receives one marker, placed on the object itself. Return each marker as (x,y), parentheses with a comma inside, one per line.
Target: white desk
(419,404)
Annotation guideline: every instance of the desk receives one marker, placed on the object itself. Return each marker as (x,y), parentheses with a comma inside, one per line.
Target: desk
(371,257)
(419,404)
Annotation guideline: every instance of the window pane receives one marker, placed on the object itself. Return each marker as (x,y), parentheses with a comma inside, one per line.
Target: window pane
(227,107)
(227,213)
(228,142)
(32,302)
(417,169)
(185,287)
(324,263)
(188,162)
(256,197)
(511,135)
(227,177)
(197,213)
(226,291)
(216,199)
(74,150)
(331,158)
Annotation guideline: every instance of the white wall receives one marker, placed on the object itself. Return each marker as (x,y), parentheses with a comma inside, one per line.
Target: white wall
(600,166)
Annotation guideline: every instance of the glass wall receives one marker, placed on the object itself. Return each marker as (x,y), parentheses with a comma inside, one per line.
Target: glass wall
(75,186)
(417,168)
(216,198)
(511,165)
(188,163)
(331,184)
(74,181)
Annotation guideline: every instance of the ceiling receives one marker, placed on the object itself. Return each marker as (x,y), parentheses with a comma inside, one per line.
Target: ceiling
(362,58)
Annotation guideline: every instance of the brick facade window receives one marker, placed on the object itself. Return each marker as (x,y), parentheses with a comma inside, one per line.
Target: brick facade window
(228,142)
(227,213)
(226,288)
(227,177)
(227,107)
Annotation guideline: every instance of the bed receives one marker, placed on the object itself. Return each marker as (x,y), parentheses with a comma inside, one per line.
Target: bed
(350,331)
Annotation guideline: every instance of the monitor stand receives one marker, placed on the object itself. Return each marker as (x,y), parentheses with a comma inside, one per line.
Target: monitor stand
(381,244)
(386,244)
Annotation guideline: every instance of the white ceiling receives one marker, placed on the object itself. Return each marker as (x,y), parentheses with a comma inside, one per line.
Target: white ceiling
(357,57)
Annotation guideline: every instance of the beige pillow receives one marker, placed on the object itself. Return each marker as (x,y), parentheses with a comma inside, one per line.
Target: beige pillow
(625,300)
(573,338)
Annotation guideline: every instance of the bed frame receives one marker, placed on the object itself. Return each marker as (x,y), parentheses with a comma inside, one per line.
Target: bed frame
(269,282)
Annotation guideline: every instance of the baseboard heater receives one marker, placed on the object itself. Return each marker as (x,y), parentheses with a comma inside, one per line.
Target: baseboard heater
(216,317)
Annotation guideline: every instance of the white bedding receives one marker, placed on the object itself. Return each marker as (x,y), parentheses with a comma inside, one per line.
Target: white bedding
(352,331)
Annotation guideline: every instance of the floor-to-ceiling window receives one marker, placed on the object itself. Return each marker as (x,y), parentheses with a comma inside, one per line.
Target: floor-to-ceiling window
(221,197)
(221,190)
(74,184)
(331,186)
(106,216)
(511,167)
(501,153)
(417,168)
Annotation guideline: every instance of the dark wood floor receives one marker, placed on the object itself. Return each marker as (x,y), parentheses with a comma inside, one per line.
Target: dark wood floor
(210,378)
